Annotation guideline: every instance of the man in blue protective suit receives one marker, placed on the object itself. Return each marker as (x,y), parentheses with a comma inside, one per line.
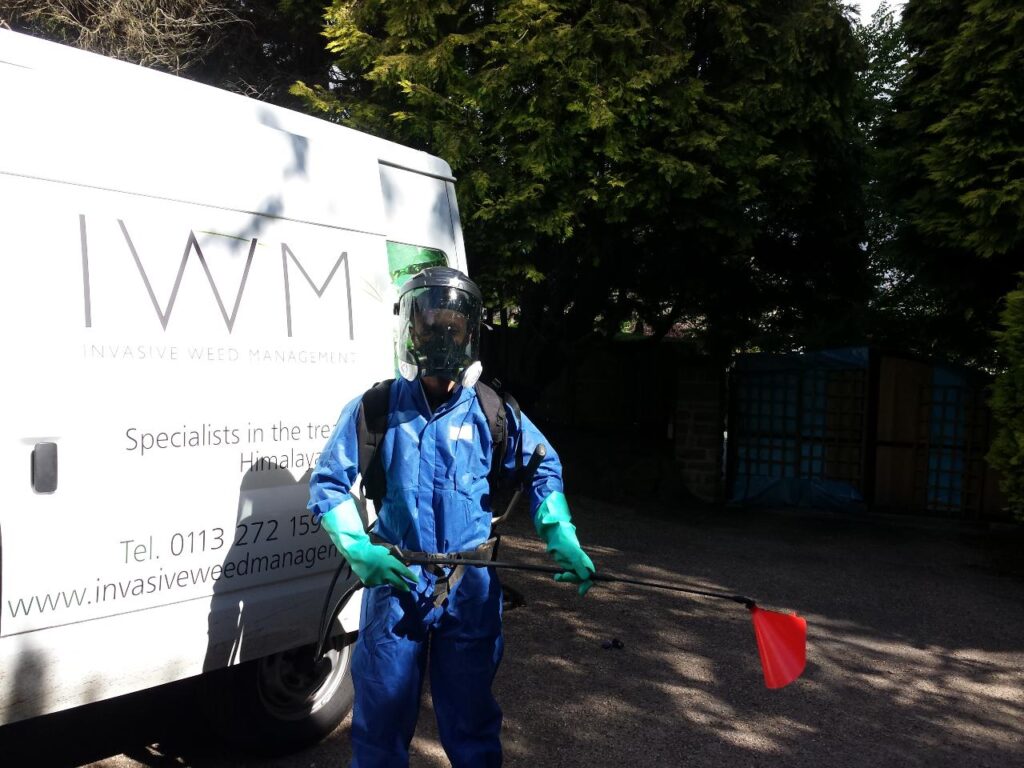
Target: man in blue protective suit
(436,454)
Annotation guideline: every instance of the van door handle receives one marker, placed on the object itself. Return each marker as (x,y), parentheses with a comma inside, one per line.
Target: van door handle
(44,468)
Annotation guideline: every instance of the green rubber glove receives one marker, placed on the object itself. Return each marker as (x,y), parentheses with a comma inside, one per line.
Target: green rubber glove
(372,563)
(554,525)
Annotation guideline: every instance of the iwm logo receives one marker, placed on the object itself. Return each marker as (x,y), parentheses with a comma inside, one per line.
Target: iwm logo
(292,267)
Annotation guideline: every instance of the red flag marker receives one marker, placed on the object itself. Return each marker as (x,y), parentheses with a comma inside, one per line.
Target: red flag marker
(782,645)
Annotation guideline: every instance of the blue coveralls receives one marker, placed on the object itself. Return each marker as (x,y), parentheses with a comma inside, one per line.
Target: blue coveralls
(437,501)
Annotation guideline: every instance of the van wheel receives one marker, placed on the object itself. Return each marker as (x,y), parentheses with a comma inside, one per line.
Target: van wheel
(282,702)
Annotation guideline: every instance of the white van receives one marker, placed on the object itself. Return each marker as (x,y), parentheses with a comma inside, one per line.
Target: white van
(194,283)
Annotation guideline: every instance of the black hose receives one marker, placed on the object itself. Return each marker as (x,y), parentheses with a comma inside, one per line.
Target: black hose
(327,614)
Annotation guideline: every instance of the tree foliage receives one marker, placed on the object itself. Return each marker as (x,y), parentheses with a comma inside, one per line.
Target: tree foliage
(880,80)
(885,67)
(691,164)
(276,43)
(256,47)
(172,35)
(898,310)
(955,171)
(1007,454)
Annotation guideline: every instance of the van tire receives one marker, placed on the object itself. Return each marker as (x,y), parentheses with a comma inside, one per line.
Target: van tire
(280,703)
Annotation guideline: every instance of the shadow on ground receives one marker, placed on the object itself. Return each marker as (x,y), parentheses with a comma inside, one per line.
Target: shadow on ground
(915,648)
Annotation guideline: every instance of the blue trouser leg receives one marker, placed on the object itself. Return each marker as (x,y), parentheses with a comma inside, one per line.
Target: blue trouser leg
(388,663)
(465,650)
(387,672)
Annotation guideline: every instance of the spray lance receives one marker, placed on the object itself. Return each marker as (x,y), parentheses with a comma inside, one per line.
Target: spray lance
(781,637)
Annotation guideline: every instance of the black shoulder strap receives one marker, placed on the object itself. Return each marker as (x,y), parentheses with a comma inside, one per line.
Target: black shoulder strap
(373,423)
(514,404)
(493,404)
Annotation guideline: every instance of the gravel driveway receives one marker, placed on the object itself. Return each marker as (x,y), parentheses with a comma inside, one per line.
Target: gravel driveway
(915,650)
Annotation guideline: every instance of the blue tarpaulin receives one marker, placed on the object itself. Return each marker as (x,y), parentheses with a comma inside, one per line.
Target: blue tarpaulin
(947,439)
(784,445)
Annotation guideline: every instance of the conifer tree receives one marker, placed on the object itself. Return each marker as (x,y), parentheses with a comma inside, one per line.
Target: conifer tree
(955,173)
(1007,454)
(683,163)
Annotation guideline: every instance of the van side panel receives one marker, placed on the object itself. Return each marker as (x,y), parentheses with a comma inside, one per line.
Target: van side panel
(194,286)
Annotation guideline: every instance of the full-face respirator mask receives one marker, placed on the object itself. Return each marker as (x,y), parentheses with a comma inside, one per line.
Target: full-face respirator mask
(439,313)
